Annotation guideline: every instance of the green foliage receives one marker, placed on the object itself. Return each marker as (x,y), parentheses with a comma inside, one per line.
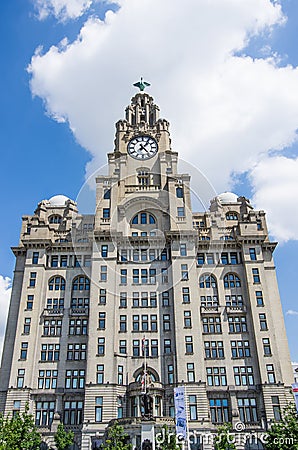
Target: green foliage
(284,434)
(223,440)
(167,439)
(62,438)
(116,439)
(19,432)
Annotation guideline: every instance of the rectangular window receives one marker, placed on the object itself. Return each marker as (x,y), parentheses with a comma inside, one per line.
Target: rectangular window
(270,373)
(183,250)
(101,320)
(136,322)
(73,412)
(153,322)
(107,194)
(192,404)
(79,303)
(136,276)
(190,368)
(32,279)
(164,255)
(234,258)
(165,298)
(77,261)
(153,299)
(201,258)
(104,251)
(211,325)
(123,300)
(167,346)
(144,299)
(78,327)
(188,345)
(123,324)
(259,298)
(243,376)
(63,261)
(152,276)
(214,349)
(180,211)
(154,348)
(252,254)
(276,408)
(187,319)
(101,346)
(76,352)
(98,409)
(122,347)
(44,413)
(247,410)
(151,254)
(123,276)
(29,305)
(234,300)
(54,261)
(136,347)
(103,273)
(185,295)
(20,378)
(266,346)
(35,257)
(50,352)
(102,296)
(52,327)
(184,272)
(16,407)
(263,322)
(237,324)
(216,376)
(240,349)
(106,213)
(27,325)
(75,379)
(256,276)
(224,258)
(24,350)
(120,374)
(210,258)
(100,374)
(164,276)
(219,409)
(166,322)
(170,374)
(123,257)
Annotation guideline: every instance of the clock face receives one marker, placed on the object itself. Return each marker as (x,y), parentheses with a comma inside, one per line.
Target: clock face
(142,147)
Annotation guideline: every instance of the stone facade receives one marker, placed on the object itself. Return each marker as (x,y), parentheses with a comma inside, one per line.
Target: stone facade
(145,294)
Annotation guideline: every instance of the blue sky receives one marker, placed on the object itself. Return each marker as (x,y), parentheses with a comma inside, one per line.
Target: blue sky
(227,82)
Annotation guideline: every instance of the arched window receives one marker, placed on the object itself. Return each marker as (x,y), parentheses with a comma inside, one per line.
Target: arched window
(231,281)
(57,284)
(150,373)
(207,281)
(81,283)
(231,215)
(143,218)
(55,219)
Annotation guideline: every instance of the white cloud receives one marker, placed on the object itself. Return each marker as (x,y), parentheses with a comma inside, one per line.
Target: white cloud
(275,181)
(291,312)
(5,291)
(62,9)
(222,107)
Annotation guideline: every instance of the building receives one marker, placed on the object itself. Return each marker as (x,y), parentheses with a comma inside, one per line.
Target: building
(295,372)
(145,295)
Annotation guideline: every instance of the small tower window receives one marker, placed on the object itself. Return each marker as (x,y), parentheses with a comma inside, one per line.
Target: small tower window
(143,177)
(143,218)
(179,192)
(55,219)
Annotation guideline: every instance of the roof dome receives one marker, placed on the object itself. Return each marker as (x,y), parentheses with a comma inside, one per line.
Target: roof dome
(227,197)
(58,200)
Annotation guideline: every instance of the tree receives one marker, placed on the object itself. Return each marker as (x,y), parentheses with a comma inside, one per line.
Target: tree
(63,438)
(283,435)
(19,432)
(224,439)
(116,439)
(166,439)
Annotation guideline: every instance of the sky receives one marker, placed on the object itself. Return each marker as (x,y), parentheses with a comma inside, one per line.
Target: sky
(224,73)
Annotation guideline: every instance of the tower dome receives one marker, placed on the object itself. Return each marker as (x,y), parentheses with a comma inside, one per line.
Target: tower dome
(58,200)
(227,197)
